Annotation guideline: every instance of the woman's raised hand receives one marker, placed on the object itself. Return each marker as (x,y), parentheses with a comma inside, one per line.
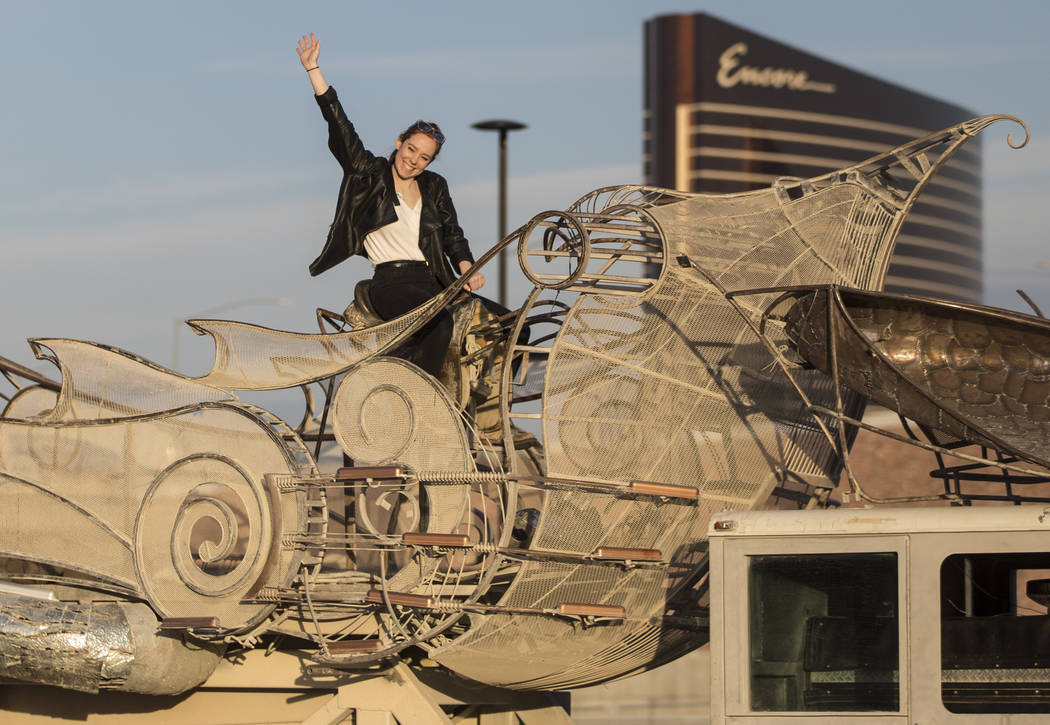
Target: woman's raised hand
(309,48)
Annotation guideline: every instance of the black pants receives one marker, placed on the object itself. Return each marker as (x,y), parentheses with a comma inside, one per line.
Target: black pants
(398,287)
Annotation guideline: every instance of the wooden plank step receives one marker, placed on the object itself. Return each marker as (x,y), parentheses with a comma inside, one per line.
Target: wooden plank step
(401,599)
(665,490)
(355,647)
(189,623)
(592,610)
(361,473)
(618,553)
(429,539)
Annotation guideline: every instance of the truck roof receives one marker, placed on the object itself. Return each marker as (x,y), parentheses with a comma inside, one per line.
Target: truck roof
(882,520)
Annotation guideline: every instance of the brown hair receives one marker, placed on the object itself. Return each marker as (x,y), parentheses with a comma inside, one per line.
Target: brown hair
(427,128)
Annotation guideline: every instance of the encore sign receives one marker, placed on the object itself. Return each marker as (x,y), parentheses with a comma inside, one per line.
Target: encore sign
(732,73)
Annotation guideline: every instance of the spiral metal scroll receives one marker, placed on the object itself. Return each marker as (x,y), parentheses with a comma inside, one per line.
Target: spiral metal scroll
(218,546)
(976,125)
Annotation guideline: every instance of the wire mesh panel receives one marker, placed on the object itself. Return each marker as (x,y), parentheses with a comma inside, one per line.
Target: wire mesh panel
(517,650)
(389,411)
(249,357)
(104,382)
(173,507)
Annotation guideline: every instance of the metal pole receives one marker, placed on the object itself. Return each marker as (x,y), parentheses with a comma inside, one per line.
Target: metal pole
(503,215)
(504,127)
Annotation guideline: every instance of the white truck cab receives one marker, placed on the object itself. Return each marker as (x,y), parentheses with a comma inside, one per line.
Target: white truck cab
(881,616)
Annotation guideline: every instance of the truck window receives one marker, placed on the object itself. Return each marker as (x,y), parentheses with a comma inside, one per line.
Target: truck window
(823,632)
(995,633)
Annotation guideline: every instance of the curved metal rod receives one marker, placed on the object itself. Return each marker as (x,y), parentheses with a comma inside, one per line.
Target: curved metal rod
(10,366)
(976,125)
(1033,305)
(308,409)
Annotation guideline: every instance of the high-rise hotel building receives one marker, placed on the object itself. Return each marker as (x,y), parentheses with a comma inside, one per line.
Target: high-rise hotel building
(727,110)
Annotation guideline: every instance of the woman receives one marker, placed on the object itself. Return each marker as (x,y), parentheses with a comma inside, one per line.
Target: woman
(397,214)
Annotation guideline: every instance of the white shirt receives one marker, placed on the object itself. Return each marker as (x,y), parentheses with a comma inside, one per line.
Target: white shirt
(398,240)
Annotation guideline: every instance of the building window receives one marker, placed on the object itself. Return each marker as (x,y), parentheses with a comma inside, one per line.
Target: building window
(995,633)
(824,632)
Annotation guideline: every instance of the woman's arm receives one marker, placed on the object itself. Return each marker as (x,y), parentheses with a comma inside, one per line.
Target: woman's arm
(309,48)
(343,140)
(454,242)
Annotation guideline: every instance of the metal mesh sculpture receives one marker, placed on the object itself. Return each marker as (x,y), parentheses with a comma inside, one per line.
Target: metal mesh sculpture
(538,524)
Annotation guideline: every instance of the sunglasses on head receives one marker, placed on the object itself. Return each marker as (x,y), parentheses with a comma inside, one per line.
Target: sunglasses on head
(430,130)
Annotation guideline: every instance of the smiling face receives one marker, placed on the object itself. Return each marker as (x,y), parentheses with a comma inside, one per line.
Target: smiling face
(413,154)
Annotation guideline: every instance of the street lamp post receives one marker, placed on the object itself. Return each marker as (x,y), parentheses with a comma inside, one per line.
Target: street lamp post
(504,127)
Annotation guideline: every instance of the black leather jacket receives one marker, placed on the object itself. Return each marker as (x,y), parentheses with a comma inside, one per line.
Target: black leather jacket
(366,203)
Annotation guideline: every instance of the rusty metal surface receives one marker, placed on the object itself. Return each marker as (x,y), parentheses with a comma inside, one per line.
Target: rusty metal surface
(979,374)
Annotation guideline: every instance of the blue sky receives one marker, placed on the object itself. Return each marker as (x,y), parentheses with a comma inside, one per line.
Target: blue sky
(161,160)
